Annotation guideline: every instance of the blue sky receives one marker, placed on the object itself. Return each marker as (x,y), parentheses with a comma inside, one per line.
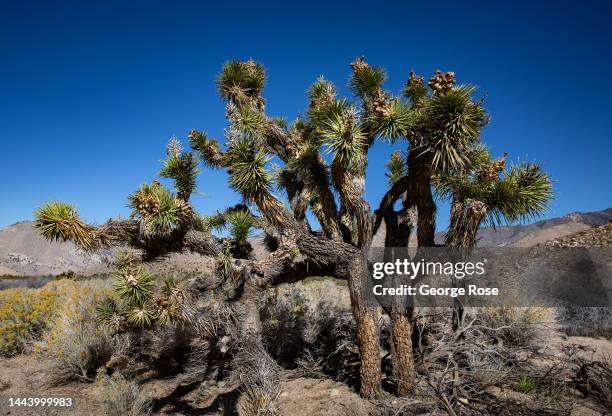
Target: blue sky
(91,92)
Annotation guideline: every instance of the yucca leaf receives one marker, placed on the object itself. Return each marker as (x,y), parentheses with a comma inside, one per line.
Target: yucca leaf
(59,221)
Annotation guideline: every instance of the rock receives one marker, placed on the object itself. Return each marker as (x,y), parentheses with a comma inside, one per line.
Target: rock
(582,410)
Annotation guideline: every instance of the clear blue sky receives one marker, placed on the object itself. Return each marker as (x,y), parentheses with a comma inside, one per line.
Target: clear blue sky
(91,92)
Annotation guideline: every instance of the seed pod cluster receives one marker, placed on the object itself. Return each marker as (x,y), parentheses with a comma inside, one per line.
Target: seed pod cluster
(488,172)
(146,202)
(185,211)
(414,79)
(442,82)
(359,64)
(380,104)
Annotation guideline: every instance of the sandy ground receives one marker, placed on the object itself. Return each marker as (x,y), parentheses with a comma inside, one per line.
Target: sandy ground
(24,376)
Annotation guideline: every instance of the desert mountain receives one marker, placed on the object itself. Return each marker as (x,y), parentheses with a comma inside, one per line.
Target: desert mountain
(24,252)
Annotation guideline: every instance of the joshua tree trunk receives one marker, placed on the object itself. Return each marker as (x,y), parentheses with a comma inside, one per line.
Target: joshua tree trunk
(368,334)
(466,218)
(401,350)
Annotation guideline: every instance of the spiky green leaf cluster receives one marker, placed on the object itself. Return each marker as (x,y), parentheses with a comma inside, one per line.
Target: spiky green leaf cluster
(249,121)
(183,168)
(517,193)
(241,82)
(170,302)
(524,193)
(415,90)
(159,211)
(238,221)
(449,125)
(394,124)
(139,302)
(321,93)
(247,168)
(59,221)
(343,136)
(241,224)
(366,81)
(208,148)
(134,284)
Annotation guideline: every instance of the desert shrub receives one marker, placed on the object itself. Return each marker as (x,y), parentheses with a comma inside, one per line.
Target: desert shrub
(69,274)
(301,316)
(76,342)
(518,326)
(25,314)
(260,379)
(594,378)
(487,368)
(585,321)
(119,396)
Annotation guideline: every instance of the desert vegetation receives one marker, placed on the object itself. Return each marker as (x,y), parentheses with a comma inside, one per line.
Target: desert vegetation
(231,334)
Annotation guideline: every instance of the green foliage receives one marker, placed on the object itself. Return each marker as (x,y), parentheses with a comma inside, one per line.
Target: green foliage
(182,167)
(344,138)
(449,125)
(69,274)
(125,259)
(58,221)
(321,94)
(223,263)
(134,284)
(366,81)
(395,123)
(517,193)
(241,224)
(140,314)
(108,313)
(158,209)
(414,89)
(208,149)
(524,193)
(525,384)
(247,168)
(199,222)
(139,301)
(248,120)
(310,167)
(241,81)
(170,302)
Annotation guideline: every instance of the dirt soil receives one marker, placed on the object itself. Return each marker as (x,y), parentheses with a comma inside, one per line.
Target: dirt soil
(24,376)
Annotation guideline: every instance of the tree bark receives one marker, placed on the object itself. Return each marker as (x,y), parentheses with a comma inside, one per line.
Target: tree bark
(368,334)
(399,227)
(402,358)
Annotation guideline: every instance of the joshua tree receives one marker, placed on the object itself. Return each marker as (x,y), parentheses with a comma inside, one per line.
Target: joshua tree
(323,157)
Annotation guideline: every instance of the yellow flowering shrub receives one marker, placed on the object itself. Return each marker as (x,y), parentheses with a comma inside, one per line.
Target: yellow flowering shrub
(26,313)
(76,341)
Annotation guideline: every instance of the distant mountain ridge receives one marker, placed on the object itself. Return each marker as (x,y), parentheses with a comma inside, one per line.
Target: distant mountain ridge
(24,252)
(541,231)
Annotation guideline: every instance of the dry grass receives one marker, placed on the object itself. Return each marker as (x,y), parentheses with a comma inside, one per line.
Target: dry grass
(518,326)
(119,396)
(76,342)
(585,321)
(260,377)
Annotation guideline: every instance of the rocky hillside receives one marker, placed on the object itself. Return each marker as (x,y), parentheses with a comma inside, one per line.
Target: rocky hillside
(24,252)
